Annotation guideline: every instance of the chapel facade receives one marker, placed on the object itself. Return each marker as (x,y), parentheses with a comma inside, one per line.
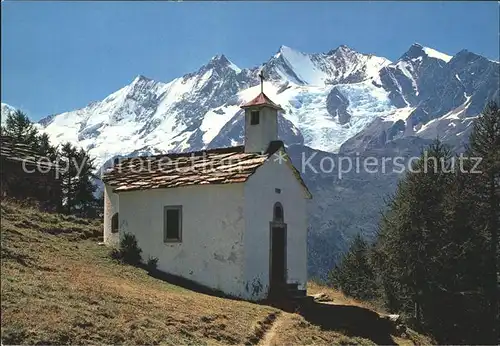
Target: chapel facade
(232,219)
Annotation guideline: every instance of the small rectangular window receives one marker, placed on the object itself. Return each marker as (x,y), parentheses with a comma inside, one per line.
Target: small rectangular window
(172,224)
(114,223)
(254,118)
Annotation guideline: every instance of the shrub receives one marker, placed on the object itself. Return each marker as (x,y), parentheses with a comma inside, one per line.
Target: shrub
(115,254)
(129,251)
(152,264)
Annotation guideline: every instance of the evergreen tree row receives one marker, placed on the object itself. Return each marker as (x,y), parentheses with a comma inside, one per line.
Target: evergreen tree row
(436,258)
(76,166)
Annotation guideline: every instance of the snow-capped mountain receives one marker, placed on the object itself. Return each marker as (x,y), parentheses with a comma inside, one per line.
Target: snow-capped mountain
(201,109)
(337,103)
(436,96)
(153,116)
(330,99)
(339,66)
(5,111)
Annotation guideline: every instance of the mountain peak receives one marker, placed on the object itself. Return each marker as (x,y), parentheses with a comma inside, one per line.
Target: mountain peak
(341,50)
(432,53)
(284,50)
(220,58)
(466,55)
(344,47)
(140,78)
(6,109)
(417,50)
(221,61)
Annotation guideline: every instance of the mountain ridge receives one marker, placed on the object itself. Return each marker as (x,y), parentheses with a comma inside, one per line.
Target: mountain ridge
(339,103)
(190,111)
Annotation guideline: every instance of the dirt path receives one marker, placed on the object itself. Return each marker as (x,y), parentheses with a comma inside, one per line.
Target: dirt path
(268,338)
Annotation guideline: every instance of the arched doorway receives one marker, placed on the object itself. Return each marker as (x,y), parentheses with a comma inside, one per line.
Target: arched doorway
(277,255)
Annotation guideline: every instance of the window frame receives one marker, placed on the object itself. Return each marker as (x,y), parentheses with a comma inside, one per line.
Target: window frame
(252,113)
(275,216)
(166,208)
(115,221)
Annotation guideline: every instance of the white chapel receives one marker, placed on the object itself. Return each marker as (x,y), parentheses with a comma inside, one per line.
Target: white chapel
(231,219)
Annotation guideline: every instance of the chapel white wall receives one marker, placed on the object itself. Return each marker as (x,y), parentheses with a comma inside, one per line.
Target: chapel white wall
(111,206)
(260,197)
(258,137)
(211,251)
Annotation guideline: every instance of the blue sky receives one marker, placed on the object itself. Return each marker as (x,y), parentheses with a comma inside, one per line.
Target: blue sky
(59,56)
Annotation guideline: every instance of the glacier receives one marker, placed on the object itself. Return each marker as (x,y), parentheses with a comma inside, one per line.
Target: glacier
(193,111)
(188,112)
(340,102)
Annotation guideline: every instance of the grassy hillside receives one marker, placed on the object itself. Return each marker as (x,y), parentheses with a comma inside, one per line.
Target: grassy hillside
(60,287)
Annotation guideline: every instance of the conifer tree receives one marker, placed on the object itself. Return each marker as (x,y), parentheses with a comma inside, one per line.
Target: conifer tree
(20,127)
(77,185)
(409,239)
(85,188)
(44,148)
(485,144)
(354,275)
(67,155)
(436,258)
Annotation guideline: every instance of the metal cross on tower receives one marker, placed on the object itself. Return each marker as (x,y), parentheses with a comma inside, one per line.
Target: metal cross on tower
(261,76)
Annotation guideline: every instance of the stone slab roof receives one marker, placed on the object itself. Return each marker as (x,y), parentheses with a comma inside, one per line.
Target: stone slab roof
(13,151)
(215,166)
(262,100)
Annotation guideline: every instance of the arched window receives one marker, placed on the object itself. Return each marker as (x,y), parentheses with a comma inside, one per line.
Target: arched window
(114,223)
(278,212)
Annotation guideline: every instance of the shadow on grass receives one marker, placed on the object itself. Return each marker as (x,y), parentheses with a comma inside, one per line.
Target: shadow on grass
(349,319)
(186,283)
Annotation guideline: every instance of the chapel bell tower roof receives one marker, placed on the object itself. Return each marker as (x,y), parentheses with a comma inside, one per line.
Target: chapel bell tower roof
(262,99)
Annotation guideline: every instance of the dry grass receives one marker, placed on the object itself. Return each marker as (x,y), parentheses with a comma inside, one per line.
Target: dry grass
(338,297)
(295,330)
(60,287)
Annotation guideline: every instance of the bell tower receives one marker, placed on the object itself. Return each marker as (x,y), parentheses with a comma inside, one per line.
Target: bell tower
(261,121)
